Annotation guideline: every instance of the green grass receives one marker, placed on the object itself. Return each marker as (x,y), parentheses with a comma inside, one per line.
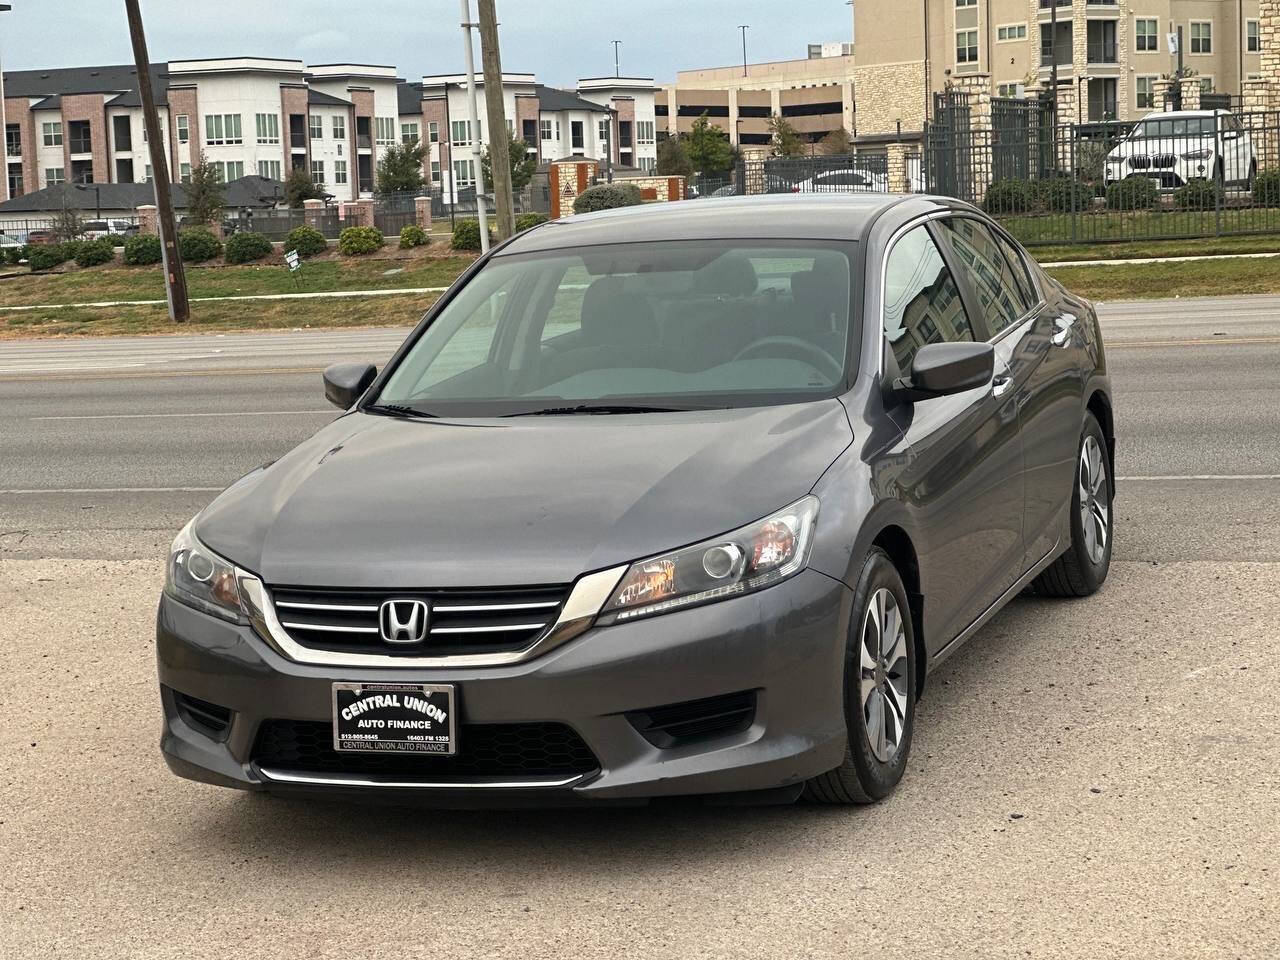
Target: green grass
(1156,281)
(1135,250)
(1107,226)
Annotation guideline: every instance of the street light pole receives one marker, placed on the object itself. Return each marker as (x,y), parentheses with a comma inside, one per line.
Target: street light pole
(616,68)
(743,28)
(473,111)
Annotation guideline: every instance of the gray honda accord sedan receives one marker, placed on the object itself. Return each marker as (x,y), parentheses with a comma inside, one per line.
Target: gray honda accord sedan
(684,499)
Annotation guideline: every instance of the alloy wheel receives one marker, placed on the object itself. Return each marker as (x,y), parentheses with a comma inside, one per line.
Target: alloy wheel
(1095,511)
(884,675)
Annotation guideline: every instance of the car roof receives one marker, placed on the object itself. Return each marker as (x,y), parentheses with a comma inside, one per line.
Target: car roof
(1173,114)
(826,216)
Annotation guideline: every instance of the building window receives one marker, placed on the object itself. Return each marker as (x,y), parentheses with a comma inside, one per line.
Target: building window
(1253,42)
(184,171)
(1146,31)
(1012,31)
(460,133)
(1146,93)
(220,128)
(433,132)
(1206,84)
(545,129)
(1009,91)
(408,133)
(602,131)
(339,128)
(54,176)
(269,169)
(339,171)
(435,171)
(52,134)
(184,128)
(79,136)
(966,3)
(316,126)
(464,173)
(576,136)
(146,177)
(1201,36)
(268,128)
(385,129)
(966,46)
(13,139)
(317,172)
(644,131)
(228,171)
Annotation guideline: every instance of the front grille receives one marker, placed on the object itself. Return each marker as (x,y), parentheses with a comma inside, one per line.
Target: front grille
(696,721)
(485,750)
(460,621)
(209,718)
(1162,161)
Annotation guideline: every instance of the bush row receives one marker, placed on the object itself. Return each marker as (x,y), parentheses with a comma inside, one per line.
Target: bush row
(1063,194)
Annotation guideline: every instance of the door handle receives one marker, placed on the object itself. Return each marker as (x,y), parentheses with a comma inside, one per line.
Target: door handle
(1062,329)
(1001,384)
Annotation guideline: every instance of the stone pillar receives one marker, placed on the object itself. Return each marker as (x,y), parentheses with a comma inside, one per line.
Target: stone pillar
(148,220)
(568,179)
(422,210)
(1163,92)
(978,87)
(361,211)
(1191,93)
(312,211)
(898,181)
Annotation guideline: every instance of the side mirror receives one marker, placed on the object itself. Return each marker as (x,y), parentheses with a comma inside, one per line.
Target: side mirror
(344,383)
(940,369)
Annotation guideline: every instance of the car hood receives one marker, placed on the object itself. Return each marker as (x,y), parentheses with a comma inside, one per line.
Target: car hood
(372,501)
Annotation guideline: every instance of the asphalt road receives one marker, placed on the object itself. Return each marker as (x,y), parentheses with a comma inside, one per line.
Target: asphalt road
(1099,778)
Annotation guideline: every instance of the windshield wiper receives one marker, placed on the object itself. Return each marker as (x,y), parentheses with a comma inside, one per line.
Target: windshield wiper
(399,410)
(604,409)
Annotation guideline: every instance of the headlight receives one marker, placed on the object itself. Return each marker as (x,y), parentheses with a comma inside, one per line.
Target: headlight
(748,559)
(1197,155)
(200,578)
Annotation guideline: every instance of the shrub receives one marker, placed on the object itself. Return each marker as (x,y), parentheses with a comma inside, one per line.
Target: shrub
(15,255)
(413,236)
(1266,188)
(244,247)
(1134,193)
(527,220)
(117,239)
(466,235)
(357,241)
(95,253)
(71,249)
(607,196)
(142,249)
(308,241)
(196,244)
(1008,196)
(46,257)
(1062,195)
(1198,194)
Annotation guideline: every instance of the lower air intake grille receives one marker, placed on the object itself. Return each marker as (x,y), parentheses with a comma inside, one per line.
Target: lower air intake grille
(484,750)
(209,718)
(695,721)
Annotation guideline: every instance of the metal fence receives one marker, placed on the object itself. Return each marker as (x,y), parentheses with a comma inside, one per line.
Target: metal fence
(52,229)
(861,172)
(1165,177)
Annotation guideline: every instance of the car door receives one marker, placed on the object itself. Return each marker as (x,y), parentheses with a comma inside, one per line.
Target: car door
(962,476)
(1033,339)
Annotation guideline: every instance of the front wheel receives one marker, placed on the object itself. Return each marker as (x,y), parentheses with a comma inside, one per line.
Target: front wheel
(1083,568)
(879,690)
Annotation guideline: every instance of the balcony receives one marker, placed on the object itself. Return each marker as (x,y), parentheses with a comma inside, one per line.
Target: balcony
(297,141)
(1102,51)
(364,141)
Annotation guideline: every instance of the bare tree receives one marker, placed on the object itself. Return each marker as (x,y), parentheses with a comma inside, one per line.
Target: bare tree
(68,222)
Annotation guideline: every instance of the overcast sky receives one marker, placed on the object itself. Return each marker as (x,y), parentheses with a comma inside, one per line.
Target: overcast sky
(559,40)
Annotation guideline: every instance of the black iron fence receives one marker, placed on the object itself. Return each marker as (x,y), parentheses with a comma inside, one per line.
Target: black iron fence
(1170,176)
(40,230)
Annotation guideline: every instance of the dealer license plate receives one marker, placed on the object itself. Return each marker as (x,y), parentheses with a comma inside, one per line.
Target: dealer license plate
(394,718)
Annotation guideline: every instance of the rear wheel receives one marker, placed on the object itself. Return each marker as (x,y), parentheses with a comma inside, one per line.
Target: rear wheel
(1083,568)
(879,691)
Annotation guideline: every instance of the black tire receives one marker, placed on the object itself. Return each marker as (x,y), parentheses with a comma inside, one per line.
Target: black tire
(1077,573)
(863,777)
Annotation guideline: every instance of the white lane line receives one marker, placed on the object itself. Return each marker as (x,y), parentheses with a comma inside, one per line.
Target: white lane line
(1204,476)
(86,490)
(170,416)
(1142,260)
(316,295)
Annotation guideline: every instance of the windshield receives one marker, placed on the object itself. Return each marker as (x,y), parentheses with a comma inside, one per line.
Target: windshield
(1177,127)
(633,327)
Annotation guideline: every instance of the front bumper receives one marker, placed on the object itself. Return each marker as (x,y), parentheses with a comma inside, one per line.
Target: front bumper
(786,643)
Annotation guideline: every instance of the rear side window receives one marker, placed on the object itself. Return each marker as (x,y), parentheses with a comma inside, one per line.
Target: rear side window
(922,303)
(1003,298)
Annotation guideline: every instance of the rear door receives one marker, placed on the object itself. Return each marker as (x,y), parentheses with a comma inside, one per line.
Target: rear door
(963,474)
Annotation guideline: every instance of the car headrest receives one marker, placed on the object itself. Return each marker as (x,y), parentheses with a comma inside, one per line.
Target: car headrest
(614,317)
(729,276)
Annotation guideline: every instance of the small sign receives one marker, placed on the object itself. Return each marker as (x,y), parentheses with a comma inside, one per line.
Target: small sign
(1173,43)
(292,259)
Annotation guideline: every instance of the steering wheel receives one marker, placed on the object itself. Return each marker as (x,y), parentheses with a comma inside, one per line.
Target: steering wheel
(792,348)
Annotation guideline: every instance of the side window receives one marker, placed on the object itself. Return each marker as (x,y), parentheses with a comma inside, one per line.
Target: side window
(921,301)
(1003,301)
(1021,275)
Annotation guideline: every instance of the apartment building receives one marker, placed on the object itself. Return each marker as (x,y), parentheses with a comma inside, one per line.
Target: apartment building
(1109,54)
(268,116)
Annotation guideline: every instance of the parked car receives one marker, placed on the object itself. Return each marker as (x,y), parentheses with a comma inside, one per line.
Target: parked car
(96,229)
(7,241)
(1174,148)
(41,237)
(846,180)
(706,526)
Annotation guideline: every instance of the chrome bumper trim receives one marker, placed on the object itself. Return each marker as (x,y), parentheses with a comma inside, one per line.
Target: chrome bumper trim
(284,776)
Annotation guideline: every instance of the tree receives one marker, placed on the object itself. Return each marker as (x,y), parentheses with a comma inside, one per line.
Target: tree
(400,168)
(708,147)
(836,143)
(786,141)
(67,223)
(523,164)
(299,186)
(204,192)
(673,158)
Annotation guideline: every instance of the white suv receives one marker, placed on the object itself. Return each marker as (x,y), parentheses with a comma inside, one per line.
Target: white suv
(1176,147)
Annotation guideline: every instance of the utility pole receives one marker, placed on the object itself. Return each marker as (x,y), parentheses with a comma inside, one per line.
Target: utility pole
(616,68)
(499,142)
(473,114)
(743,28)
(175,278)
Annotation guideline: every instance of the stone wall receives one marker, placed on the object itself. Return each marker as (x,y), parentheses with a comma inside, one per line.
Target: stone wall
(887,94)
(661,189)
(568,179)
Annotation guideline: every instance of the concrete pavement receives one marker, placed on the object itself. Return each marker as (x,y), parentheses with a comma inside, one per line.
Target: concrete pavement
(1089,779)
